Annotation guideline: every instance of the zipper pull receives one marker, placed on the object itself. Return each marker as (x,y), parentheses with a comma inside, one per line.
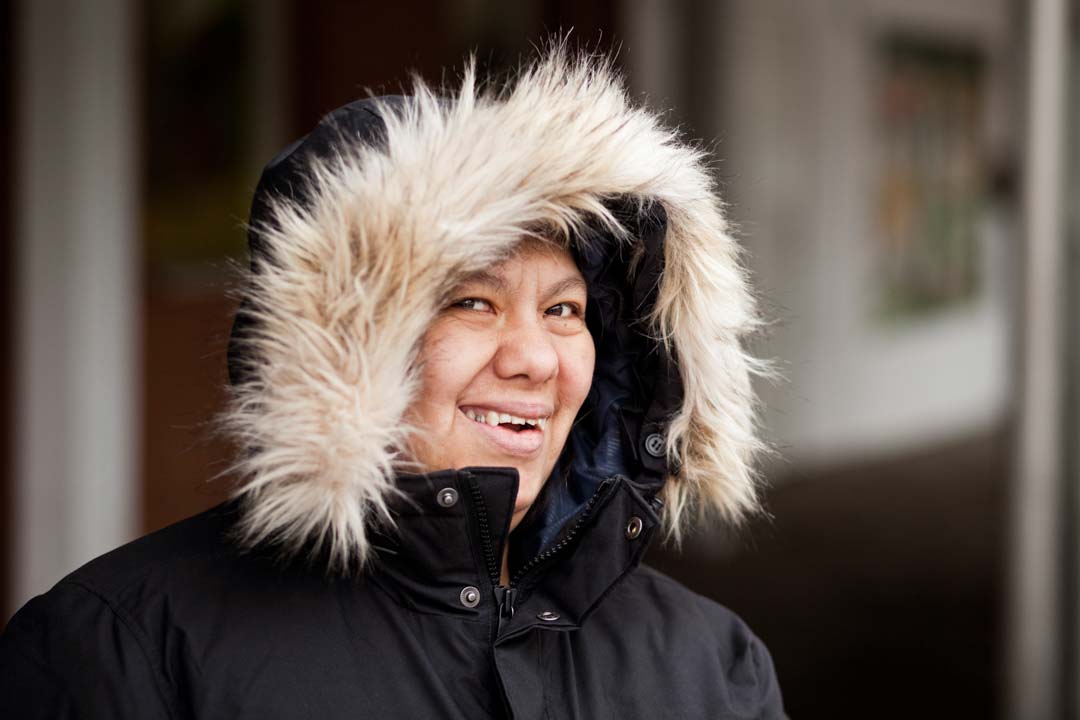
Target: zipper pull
(504,598)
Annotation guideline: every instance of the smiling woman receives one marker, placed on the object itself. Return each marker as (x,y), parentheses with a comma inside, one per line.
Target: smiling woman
(505,369)
(490,348)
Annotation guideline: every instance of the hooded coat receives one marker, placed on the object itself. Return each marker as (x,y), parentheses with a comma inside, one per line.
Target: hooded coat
(340,583)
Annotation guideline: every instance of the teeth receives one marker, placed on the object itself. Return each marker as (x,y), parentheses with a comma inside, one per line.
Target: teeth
(494,418)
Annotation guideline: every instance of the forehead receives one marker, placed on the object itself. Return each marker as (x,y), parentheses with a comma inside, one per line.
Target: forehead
(544,261)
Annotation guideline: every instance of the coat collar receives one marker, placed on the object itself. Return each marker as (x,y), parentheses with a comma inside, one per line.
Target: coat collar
(451,526)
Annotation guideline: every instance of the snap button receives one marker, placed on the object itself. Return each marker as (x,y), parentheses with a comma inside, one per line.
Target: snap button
(547,616)
(633,528)
(470,596)
(654,445)
(447,497)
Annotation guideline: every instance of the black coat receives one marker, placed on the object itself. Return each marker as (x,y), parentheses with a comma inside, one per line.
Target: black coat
(298,599)
(179,624)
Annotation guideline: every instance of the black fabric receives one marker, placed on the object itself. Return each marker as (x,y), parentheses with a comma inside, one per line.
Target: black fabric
(180,625)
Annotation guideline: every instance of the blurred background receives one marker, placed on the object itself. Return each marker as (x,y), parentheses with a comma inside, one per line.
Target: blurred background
(903,174)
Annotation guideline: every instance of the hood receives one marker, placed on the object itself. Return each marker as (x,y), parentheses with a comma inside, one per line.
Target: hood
(359,232)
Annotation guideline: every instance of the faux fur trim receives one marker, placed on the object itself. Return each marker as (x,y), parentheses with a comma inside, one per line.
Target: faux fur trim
(359,271)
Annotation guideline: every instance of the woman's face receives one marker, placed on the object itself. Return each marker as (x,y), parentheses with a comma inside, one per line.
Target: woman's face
(505,367)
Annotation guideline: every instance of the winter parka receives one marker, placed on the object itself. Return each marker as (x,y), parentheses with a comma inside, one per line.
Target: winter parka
(339,584)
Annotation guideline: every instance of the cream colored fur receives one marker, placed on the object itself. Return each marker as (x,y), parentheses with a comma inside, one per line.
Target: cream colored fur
(359,275)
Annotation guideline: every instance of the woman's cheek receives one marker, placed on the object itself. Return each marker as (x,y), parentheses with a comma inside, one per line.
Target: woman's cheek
(577,368)
(454,363)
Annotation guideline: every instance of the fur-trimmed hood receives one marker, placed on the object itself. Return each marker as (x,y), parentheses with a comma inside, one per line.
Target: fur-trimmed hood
(360,230)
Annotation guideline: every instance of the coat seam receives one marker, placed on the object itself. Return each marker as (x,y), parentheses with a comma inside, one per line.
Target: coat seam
(164,688)
(542,673)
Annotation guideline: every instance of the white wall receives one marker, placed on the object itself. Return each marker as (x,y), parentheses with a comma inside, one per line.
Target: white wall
(77,382)
(796,130)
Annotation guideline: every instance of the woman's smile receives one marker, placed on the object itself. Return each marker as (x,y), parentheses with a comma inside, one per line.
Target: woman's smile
(517,435)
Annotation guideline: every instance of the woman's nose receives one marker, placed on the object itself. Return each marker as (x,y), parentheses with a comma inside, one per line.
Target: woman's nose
(526,350)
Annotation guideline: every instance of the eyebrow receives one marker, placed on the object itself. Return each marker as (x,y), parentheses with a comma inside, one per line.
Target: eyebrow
(497,284)
(483,277)
(572,282)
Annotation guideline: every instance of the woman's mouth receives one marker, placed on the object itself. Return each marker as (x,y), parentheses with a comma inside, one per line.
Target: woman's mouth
(516,435)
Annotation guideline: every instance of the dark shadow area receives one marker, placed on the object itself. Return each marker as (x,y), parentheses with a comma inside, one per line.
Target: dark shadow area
(877,587)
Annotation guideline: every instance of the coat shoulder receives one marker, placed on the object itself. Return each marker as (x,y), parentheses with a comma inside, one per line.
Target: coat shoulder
(699,635)
(155,570)
(660,598)
(199,540)
(192,545)
(96,639)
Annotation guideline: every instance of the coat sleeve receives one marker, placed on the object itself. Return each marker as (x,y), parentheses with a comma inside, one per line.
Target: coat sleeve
(70,654)
(768,687)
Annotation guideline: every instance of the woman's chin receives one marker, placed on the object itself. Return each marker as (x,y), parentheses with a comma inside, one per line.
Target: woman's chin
(528,490)
(524,503)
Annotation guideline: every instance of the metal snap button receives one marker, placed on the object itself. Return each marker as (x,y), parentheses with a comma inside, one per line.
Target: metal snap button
(447,497)
(633,528)
(654,445)
(547,616)
(470,596)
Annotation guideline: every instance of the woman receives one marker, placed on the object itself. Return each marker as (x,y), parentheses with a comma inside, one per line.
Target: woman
(489,348)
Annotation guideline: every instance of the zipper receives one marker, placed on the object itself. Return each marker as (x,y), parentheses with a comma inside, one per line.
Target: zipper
(504,602)
(552,552)
(493,565)
(505,595)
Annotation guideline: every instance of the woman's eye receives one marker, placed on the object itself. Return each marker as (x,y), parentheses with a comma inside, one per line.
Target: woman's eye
(564,310)
(472,304)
